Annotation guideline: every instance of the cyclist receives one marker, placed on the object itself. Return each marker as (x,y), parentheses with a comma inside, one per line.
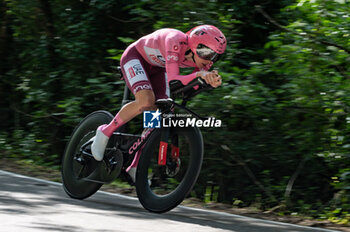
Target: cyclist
(152,61)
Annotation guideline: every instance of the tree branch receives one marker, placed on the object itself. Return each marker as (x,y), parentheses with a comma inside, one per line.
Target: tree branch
(293,178)
(308,35)
(14,108)
(249,172)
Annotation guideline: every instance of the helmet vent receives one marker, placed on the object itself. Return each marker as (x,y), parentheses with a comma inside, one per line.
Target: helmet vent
(222,41)
(200,32)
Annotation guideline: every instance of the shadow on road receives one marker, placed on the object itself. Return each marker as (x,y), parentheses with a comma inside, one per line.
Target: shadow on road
(24,196)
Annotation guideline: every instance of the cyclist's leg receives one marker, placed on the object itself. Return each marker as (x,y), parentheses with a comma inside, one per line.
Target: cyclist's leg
(134,68)
(160,86)
(144,100)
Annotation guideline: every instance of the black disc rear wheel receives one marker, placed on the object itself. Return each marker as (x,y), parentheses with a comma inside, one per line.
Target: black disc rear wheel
(74,166)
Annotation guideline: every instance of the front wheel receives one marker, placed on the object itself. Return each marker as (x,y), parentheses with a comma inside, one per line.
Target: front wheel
(161,188)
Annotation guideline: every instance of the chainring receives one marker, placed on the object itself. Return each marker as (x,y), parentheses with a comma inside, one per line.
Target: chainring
(104,171)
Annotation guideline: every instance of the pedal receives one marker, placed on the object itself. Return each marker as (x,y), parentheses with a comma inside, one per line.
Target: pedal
(127,178)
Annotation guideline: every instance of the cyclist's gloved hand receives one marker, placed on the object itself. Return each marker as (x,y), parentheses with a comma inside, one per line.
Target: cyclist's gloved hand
(212,78)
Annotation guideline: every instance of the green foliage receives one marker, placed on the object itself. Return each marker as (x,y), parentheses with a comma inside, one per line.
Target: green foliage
(284,102)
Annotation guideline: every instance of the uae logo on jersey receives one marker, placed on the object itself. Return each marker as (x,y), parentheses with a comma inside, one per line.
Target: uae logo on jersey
(135,70)
(131,72)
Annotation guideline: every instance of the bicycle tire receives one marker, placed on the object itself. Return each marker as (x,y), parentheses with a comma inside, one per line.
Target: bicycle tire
(78,188)
(163,203)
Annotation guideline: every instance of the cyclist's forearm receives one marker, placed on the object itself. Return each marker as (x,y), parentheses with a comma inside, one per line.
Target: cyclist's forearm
(185,79)
(172,69)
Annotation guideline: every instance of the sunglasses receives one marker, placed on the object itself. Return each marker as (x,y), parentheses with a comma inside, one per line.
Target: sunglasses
(207,53)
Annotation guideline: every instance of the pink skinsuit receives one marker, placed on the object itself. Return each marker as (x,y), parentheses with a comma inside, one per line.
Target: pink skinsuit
(155,59)
(149,64)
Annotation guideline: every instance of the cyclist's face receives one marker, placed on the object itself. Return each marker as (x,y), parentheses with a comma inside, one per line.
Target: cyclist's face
(201,63)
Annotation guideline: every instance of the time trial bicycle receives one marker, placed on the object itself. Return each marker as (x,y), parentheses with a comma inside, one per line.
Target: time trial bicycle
(168,159)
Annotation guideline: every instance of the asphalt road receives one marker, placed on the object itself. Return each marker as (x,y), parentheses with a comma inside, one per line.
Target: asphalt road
(28,204)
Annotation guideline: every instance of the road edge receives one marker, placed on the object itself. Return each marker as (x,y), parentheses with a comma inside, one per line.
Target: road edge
(180,206)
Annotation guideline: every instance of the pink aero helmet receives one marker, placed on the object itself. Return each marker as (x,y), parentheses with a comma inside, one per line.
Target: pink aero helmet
(207,41)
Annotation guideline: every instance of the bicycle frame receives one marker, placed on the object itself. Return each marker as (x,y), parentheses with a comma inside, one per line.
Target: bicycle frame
(186,92)
(83,175)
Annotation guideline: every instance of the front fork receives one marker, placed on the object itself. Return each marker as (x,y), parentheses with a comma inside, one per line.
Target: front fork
(163,147)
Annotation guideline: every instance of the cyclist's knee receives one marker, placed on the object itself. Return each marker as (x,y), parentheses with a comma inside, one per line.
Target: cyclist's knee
(146,105)
(145,100)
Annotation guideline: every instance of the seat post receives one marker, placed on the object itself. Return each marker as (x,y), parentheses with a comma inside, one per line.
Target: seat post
(126,95)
